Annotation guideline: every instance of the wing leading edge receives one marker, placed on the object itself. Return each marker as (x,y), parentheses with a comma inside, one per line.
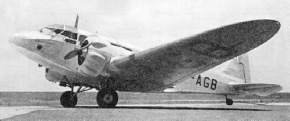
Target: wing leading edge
(166,65)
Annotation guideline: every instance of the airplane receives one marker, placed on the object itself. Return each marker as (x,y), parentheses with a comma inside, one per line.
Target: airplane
(232,78)
(76,58)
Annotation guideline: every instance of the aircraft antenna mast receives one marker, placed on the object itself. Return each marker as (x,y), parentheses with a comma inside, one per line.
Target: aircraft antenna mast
(77,21)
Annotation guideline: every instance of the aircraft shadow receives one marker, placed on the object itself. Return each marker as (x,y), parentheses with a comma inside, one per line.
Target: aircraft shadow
(173,108)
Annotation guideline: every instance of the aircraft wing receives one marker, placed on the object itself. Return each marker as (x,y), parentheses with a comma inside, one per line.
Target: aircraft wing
(256,88)
(164,66)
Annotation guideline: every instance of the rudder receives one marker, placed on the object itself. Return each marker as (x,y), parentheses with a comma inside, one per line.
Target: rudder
(238,68)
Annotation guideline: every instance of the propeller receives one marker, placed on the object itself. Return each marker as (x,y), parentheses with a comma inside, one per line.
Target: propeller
(76,51)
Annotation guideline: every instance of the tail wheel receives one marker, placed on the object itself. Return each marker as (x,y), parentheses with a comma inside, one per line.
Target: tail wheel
(229,101)
(107,98)
(68,99)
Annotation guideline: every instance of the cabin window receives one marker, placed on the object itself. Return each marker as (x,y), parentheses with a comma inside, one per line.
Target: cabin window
(70,41)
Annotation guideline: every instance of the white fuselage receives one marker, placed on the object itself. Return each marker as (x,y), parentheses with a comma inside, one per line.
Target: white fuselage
(50,51)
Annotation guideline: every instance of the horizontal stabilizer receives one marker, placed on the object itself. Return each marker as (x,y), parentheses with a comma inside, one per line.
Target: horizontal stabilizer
(259,89)
(195,92)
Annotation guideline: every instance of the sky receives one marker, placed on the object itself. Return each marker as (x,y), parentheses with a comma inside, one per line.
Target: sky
(144,23)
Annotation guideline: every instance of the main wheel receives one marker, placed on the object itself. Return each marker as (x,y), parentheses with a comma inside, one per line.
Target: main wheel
(107,98)
(68,99)
(229,101)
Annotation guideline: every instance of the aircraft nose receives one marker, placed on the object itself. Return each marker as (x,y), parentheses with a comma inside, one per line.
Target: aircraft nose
(17,39)
(25,39)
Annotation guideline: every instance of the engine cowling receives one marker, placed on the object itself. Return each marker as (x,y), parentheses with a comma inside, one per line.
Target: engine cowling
(94,63)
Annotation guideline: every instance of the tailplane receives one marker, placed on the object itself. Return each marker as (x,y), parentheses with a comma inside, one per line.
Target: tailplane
(232,78)
(256,88)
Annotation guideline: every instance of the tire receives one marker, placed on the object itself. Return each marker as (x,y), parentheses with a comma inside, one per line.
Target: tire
(107,98)
(67,100)
(229,101)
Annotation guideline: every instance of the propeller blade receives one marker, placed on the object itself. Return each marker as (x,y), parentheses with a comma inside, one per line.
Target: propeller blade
(75,52)
(72,54)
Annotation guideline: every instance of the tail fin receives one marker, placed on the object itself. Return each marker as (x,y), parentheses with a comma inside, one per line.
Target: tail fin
(77,21)
(238,68)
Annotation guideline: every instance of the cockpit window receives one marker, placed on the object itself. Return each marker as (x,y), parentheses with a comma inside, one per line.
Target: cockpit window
(74,36)
(70,34)
(57,31)
(47,31)
(66,33)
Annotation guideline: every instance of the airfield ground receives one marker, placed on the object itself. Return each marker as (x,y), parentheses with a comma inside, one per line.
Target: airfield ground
(144,106)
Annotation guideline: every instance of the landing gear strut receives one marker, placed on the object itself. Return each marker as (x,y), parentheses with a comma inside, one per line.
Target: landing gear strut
(107,98)
(69,99)
(229,101)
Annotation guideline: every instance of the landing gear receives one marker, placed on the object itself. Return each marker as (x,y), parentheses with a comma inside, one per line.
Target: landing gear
(68,99)
(107,98)
(229,101)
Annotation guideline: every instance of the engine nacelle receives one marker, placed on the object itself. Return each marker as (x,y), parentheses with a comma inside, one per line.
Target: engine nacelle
(94,63)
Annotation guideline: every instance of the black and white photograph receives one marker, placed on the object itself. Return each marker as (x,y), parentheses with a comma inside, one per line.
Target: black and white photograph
(147,60)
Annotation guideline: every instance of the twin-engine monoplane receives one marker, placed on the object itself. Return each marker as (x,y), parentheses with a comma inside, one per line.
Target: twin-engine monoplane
(86,60)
